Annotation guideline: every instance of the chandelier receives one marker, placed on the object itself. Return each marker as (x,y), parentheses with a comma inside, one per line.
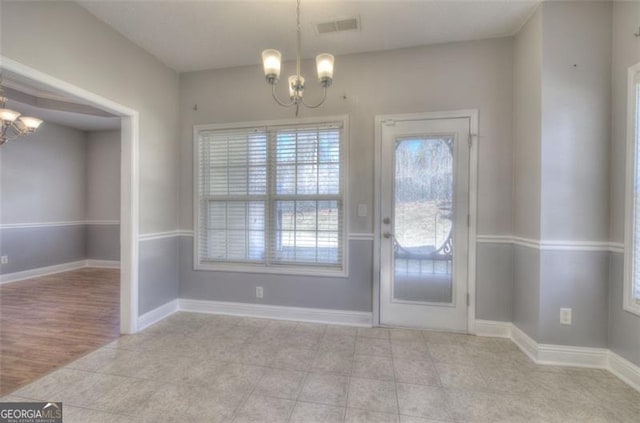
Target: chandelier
(271,60)
(13,124)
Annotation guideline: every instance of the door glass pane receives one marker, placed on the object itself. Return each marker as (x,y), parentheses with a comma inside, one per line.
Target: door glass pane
(423,219)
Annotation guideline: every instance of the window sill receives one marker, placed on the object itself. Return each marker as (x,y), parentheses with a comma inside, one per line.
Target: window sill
(632,308)
(272,270)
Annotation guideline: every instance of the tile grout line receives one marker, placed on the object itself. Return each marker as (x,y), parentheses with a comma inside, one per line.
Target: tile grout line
(234,415)
(346,404)
(304,381)
(441,386)
(395,383)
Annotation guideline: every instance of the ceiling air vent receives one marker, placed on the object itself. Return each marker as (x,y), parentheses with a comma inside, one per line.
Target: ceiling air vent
(339,25)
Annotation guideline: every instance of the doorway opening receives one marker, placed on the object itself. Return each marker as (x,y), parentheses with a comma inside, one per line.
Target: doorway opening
(129,178)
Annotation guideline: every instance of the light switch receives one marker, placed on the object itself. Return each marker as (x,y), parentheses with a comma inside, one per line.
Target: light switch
(565,316)
(362,210)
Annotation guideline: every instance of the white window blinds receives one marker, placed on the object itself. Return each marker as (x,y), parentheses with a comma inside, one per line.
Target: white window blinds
(271,196)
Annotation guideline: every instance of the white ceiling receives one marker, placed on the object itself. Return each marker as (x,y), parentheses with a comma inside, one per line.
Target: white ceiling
(195,35)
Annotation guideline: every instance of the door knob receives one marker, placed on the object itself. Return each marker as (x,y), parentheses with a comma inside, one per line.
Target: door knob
(387,234)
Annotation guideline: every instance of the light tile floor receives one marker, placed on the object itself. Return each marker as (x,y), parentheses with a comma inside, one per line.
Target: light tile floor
(204,368)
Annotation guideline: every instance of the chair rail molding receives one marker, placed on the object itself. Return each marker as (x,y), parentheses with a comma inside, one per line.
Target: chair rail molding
(552,245)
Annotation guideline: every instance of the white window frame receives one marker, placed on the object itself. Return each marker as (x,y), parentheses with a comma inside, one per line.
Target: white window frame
(633,127)
(301,269)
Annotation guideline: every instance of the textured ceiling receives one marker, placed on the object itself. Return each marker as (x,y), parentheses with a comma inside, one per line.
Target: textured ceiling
(190,35)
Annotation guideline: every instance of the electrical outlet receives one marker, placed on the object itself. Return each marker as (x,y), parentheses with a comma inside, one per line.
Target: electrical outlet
(4,259)
(259,292)
(565,316)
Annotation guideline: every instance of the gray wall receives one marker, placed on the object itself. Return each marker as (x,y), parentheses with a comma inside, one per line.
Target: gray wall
(64,40)
(527,79)
(158,272)
(443,77)
(624,327)
(561,170)
(42,180)
(577,280)
(31,248)
(575,142)
(494,285)
(576,103)
(43,176)
(352,293)
(527,129)
(526,289)
(102,241)
(102,199)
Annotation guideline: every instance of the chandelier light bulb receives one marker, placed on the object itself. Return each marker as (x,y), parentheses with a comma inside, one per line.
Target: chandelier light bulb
(271,60)
(8,116)
(30,123)
(324,65)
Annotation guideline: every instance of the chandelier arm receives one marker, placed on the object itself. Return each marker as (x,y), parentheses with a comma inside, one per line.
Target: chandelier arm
(5,137)
(314,106)
(280,102)
(15,129)
(19,129)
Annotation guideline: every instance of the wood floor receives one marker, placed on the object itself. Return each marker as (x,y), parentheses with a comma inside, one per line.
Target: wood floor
(49,321)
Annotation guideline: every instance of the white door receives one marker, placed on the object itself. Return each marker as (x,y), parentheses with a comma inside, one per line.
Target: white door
(424,223)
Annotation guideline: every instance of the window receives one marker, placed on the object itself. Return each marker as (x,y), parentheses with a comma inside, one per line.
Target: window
(632,230)
(270,197)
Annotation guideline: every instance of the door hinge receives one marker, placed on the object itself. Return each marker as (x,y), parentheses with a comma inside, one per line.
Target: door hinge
(468,220)
(470,140)
(468,300)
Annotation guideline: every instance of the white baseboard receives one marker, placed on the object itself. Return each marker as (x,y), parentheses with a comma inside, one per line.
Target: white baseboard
(103,264)
(600,358)
(527,344)
(624,369)
(41,271)
(57,268)
(561,355)
(154,316)
(315,315)
(493,329)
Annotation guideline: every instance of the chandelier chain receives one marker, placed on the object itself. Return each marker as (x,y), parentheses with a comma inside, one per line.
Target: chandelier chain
(299,40)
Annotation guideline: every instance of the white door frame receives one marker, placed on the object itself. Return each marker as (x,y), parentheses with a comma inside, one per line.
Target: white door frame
(472,115)
(129,183)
